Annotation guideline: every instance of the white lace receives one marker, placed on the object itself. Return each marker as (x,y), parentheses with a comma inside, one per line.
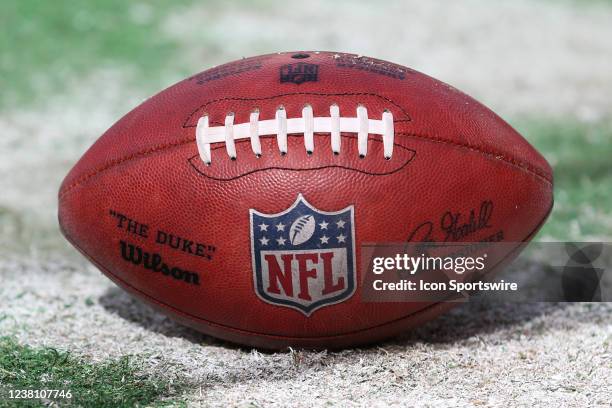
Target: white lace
(307,125)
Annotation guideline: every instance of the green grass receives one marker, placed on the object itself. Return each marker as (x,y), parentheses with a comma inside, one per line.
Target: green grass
(115,383)
(46,43)
(581,157)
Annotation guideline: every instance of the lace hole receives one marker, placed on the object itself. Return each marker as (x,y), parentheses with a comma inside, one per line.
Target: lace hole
(283,154)
(362,156)
(233,158)
(309,152)
(387,158)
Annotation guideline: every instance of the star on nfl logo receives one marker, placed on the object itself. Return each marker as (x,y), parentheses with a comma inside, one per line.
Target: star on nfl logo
(303,258)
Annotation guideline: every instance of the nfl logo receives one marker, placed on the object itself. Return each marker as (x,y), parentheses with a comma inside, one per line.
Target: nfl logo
(303,258)
(299,73)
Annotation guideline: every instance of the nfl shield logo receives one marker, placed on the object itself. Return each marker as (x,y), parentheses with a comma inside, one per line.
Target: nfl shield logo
(303,258)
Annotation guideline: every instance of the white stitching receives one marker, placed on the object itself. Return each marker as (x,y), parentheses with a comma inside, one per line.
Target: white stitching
(308,128)
(362,133)
(254,132)
(307,125)
(388,133)
(229,136)
(334,112)
(202,139)
(281,130)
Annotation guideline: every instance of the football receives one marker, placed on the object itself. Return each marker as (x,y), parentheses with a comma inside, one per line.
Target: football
(237,201)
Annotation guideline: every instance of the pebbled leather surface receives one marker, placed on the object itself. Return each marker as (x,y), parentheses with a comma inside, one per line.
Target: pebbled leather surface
(451,154)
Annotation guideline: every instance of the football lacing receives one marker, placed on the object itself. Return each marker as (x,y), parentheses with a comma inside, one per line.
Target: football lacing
(308,125)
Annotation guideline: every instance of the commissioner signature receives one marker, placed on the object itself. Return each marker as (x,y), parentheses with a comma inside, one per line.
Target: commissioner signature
(454,226)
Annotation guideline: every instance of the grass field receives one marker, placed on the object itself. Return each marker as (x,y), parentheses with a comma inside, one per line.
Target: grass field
(112,383)
(67,72)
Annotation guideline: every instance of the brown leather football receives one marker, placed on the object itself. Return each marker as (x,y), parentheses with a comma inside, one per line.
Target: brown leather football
(237,201)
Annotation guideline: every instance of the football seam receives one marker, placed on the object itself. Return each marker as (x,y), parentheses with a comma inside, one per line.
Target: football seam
(275,336)
(156,149)
(330,166)
(488,152)
(523,166)
(116,162)
(190,116)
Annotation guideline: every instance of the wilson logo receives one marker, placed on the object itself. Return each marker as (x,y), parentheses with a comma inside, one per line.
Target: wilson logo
(154,263)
